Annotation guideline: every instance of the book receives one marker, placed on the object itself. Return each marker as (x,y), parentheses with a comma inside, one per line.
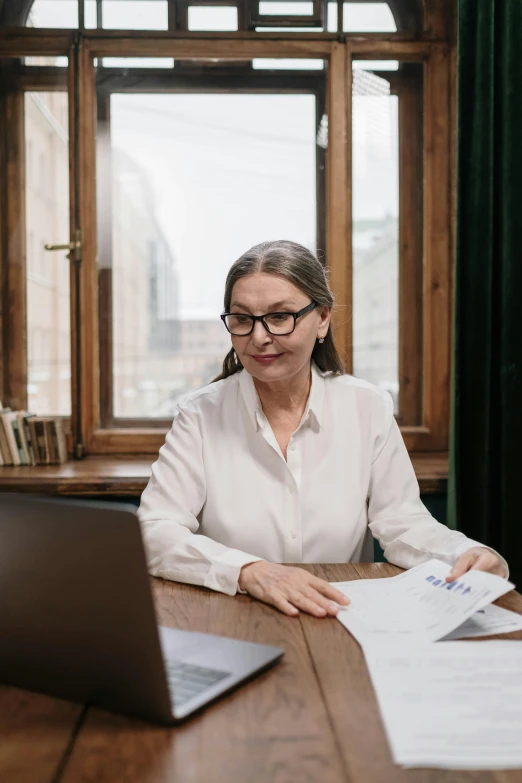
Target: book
(56,440)
(20,418)
(39,438)
(61,441)
(23,420)
(4,443)
(7,418)
(18,438)
(50,438)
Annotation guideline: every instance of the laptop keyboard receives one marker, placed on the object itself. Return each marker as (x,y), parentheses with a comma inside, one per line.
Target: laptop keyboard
(186,680)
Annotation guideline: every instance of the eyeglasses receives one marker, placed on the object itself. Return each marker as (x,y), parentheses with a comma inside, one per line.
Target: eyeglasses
(240,324)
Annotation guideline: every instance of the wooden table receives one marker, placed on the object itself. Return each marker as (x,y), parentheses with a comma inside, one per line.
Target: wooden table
(312,718)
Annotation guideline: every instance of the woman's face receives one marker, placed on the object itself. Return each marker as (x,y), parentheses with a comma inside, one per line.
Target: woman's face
(265,356)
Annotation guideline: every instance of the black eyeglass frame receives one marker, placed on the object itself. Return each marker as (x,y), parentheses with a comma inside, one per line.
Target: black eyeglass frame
(261,318)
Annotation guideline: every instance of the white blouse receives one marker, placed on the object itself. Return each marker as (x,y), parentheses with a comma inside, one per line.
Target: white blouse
(221,494)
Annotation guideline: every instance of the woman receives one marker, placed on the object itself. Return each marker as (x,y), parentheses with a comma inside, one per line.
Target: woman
(286,459)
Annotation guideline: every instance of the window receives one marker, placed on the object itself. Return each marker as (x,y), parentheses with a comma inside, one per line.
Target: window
(192,147)
(192,188)
(387,175)
(47,221)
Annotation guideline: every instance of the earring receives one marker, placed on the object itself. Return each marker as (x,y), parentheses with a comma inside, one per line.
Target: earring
(321,339)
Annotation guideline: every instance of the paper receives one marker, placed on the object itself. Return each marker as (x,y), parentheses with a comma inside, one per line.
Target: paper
(417,605)
(486,622)
(454,706)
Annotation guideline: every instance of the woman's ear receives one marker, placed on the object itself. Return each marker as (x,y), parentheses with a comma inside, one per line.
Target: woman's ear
(324,323)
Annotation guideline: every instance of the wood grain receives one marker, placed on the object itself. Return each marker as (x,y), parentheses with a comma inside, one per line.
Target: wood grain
(274,728)
(338,199)
(127,475)
(312,718)
(14,288)
(34,733)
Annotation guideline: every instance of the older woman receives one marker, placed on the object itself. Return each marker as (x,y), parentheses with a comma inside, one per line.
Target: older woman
(286,459)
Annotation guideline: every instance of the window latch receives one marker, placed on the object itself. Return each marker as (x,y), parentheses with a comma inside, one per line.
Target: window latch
(74,247)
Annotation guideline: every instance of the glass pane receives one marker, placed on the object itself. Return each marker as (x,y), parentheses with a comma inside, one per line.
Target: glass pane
(196,181)
(135,14)
(61,62)
(90,13)
(375,65)
(269,8)
(53,13)
(47,220)
(362,17)
(375,232)
(138,62)
(203,17)
(387,244)
(286,64)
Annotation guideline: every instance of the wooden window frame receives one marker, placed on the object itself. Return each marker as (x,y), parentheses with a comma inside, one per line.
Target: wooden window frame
(202,80)
(431,47)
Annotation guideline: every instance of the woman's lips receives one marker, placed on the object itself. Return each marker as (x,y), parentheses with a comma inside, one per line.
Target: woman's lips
(268,359)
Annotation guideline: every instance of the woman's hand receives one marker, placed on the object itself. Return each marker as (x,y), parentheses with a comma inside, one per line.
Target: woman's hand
(480,558)
(290,589)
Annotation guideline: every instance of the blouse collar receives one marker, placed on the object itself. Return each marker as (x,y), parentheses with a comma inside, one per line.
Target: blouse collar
(314,405)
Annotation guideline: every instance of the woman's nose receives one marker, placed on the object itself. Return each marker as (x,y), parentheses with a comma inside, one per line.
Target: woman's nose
(260,336)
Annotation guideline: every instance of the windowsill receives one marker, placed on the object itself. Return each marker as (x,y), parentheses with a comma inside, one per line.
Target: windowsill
(127,476)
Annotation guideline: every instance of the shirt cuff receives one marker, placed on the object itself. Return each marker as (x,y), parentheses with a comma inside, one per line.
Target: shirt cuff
(224,572)
(468,543)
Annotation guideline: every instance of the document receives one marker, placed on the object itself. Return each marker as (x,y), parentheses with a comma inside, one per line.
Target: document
(417,606)
(455,706)
(487,622)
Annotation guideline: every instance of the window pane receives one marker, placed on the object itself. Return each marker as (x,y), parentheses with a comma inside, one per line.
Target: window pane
(196,181)
(138,62)
(61,62)
(205,18)
(387,166)
(53,13)
(286,64)
(362,17)
(269,8)
(47,220)
(135,14)
(375,232)
(375,65)
(90,13)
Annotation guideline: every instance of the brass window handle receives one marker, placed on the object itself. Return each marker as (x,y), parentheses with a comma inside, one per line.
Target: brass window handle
(69,246)
(73,247)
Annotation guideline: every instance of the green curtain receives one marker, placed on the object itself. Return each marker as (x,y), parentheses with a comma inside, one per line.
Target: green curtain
(485,481)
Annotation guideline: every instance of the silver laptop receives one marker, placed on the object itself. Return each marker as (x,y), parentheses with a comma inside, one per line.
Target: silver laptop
(77,618)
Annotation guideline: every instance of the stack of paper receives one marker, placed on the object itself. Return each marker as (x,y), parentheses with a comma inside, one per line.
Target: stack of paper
(453,705)
(456,705)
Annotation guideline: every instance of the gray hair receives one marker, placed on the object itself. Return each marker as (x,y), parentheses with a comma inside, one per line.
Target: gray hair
(299,266)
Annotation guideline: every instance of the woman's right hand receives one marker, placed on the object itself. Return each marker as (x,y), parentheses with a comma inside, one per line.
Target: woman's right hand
(290,589)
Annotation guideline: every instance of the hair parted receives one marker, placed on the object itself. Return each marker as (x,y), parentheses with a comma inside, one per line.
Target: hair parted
(299,266)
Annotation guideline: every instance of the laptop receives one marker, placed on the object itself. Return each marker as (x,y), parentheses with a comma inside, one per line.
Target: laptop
(77,618)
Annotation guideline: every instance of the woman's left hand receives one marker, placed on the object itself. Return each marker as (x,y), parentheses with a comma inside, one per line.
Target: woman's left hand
(480,558)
